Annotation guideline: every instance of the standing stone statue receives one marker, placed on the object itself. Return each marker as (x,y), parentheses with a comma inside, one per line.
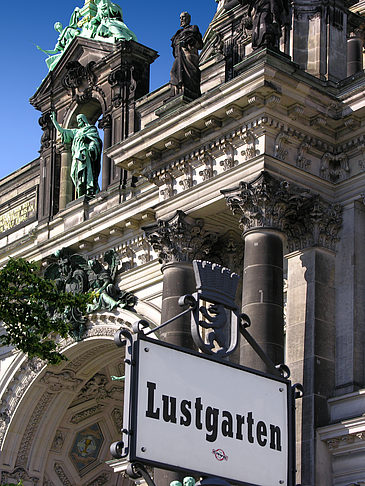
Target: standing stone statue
(268,17)
(185,72)
(86,154)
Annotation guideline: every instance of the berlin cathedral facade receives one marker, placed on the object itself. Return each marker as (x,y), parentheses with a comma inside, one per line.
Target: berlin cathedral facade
(253,158)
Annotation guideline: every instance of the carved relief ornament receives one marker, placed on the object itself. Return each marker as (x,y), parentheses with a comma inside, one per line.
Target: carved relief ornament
(180,239)
(266,202)
(80,80)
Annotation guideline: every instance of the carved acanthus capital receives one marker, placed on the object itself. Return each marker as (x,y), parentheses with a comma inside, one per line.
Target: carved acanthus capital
(267,202)
(228,251)
(324,223)
(180,239)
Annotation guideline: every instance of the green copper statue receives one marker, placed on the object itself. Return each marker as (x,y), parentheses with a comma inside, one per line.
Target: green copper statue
(108,22)
(104,21)
(86,154)
(187,481)
(64,39)
(102,279)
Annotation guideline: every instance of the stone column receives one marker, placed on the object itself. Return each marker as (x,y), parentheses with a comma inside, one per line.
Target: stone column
(311,329)
(269,207)
(266,206)
(310,352)
(106,125)
(354,54)
(178,241)
(262,297)
(66,185)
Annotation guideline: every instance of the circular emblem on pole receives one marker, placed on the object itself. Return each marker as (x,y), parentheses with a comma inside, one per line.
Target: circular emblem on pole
(220,455)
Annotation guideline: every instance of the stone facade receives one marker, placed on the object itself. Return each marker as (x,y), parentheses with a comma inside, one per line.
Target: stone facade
(265,169)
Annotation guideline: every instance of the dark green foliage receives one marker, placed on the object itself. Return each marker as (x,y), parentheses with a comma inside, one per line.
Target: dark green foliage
(33,310)
(13,484)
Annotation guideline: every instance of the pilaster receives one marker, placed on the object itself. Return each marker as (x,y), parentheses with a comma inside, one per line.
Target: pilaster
(310,347)
(350,312)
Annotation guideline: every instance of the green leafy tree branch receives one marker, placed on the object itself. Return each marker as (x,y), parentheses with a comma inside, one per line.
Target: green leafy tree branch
(13,484)
(33,311)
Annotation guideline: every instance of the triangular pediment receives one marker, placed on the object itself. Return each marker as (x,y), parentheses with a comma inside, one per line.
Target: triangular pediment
(80,50)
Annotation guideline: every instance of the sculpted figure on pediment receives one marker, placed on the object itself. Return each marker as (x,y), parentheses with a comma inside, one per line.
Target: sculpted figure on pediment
(108,22)
(66,35)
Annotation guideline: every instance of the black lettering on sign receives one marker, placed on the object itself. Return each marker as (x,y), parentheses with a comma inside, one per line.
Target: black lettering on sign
(185,408)
(151,387)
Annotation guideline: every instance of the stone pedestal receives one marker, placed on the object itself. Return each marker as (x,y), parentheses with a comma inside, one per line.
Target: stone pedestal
(262,298)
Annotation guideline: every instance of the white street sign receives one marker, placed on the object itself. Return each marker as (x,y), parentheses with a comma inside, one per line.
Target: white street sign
(200,415)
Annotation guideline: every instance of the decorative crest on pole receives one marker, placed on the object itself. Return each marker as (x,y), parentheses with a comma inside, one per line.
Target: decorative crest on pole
(216,286)
(216,283)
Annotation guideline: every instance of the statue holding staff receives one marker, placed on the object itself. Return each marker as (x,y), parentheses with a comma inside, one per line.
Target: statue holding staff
(86,154)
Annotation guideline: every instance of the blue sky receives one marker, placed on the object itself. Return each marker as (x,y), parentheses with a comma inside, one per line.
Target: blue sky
(23,66)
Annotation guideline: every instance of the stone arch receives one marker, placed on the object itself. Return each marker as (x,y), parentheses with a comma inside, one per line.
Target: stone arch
(93,109)
(47,411)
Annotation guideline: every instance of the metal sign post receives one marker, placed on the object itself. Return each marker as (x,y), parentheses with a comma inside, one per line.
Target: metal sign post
(198,413)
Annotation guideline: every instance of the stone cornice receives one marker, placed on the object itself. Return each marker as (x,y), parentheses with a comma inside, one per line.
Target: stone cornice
(236,92)
(344,435)
(45,239)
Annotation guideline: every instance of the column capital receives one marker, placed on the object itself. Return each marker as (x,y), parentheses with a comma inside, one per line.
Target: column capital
(180,238)
(305,218)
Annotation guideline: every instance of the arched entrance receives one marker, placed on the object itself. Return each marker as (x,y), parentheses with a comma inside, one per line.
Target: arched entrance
(62,419)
